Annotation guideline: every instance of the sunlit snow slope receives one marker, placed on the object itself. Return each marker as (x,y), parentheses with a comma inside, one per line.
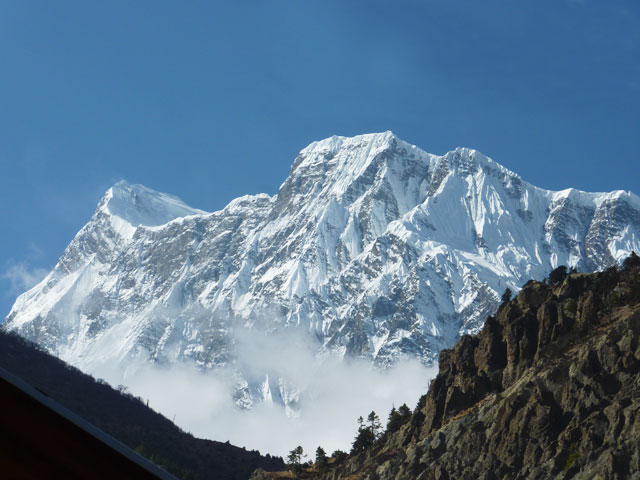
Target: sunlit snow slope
(375,247)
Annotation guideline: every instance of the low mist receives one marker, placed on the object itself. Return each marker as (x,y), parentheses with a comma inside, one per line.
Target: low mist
(329,394)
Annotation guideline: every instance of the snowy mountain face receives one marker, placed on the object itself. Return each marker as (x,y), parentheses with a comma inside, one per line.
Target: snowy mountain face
(374,247)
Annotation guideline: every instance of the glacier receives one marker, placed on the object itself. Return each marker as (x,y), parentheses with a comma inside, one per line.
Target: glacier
(372,249)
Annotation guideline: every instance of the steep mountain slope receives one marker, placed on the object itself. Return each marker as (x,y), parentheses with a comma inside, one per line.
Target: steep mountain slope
(127,419)
(372,246)
(550,388)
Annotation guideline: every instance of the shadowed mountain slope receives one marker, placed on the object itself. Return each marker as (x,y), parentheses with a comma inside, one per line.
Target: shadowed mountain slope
(127,418)
(42,439)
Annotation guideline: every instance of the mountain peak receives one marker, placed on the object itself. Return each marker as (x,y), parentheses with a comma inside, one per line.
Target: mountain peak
(335,142)
(345,158)
(138,205)
(354,153)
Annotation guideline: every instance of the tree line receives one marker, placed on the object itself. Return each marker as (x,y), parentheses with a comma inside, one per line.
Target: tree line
(368,433)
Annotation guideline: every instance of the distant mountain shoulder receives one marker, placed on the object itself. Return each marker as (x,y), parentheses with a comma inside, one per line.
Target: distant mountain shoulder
(548,389)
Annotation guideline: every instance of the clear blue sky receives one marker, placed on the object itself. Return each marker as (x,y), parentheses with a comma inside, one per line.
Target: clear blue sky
(211,100)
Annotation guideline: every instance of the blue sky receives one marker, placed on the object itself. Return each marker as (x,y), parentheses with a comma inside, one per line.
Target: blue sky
(212,100)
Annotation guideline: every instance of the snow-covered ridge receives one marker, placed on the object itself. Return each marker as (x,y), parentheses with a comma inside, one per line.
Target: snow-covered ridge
(374,247)
(130,206)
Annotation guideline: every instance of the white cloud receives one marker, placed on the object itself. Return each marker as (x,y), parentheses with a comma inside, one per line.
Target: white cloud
(22,276)
(333,393)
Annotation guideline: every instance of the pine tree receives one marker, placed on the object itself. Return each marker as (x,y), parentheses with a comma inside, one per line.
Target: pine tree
(322,462)
(295,457)
(557,276)
(374,424)
(631,261)
(397,418)
(405,412)
(393,422)
(338,456)
(364,439)
(506,296)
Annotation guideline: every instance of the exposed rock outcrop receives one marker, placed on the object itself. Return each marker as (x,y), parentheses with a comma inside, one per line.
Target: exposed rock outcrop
(550,388)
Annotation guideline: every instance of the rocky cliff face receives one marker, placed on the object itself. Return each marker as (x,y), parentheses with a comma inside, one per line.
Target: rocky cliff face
(549,388)
(373,247)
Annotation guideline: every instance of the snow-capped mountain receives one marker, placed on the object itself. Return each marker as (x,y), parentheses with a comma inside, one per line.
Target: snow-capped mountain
(375,247)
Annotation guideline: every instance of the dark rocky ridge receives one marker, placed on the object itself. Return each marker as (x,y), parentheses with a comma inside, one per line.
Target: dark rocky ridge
(550,388)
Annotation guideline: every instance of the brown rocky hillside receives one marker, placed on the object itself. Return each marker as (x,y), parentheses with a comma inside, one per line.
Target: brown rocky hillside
(549,389)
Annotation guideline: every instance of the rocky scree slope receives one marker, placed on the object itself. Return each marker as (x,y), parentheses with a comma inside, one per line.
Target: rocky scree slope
(372,247)
(549,388)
